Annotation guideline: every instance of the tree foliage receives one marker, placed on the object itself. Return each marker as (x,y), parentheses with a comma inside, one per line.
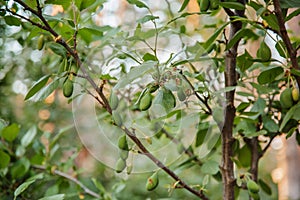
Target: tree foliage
(191,113)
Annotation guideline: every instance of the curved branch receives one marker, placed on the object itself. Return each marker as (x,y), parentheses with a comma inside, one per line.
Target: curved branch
(70,178)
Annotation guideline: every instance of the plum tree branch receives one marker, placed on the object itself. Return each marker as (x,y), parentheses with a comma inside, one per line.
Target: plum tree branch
(286,39)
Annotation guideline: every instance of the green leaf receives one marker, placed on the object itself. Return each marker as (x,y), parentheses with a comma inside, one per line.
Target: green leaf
(46,91)
(211,40)
(99,186)
(37,86)
(270,124)
(5,159)
(201,133)
(135,73)
(149,56)
(183,6)
(242,106)
(54,197)
(259,106)
(147,18)
(165,98)
(58,49)
(64,3)
(210,167)
(90,34)
(244,61)
(289,3)
(293,14)
(281,49)
(22,188)
(12,21)
(138,3)
(10,132)
(29,136)
(20,168)
(244,156)
(288,116)
(265,187)
(232,5)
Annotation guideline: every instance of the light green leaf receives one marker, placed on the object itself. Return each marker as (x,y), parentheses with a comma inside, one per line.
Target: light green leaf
(289,3)
(147,18)
(10,132)
(210,167)
(137,3)
(29,136)
(54,197)
(22,188)
(37,86)
(46,91)
(135,73)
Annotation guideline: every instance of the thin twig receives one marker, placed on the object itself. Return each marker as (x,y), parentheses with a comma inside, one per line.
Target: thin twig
(285,37)
(70,178)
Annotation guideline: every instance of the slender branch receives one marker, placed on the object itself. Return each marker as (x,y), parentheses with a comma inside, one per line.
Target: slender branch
(204,101)
(70,178)
(285,37)
(268,145)
(143,150)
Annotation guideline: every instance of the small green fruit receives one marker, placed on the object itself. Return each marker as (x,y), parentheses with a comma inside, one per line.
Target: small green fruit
(264,52)
(152,182)
(40,42)
(181,95)
(122,142)
(68,88)
(252,186)
(117,118)
(113,101)
(295,94)
(120,165)
(123,154)
(204,5)
(129,169)
(255,196)
(286,98)
(146,102)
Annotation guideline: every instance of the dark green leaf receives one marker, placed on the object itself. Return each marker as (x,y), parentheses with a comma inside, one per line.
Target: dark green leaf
(280,47)
(183,6)
(12,21)
(244,156)
(20,168)
(90,34)
(265,187)
(288,116)
(293,14)
(214,36)
(269,75)
(289,3)
(201,133)
(232,5)
(242,106)
(10,132)
(58,49)
(5,159)
(37,86)
(244,61)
